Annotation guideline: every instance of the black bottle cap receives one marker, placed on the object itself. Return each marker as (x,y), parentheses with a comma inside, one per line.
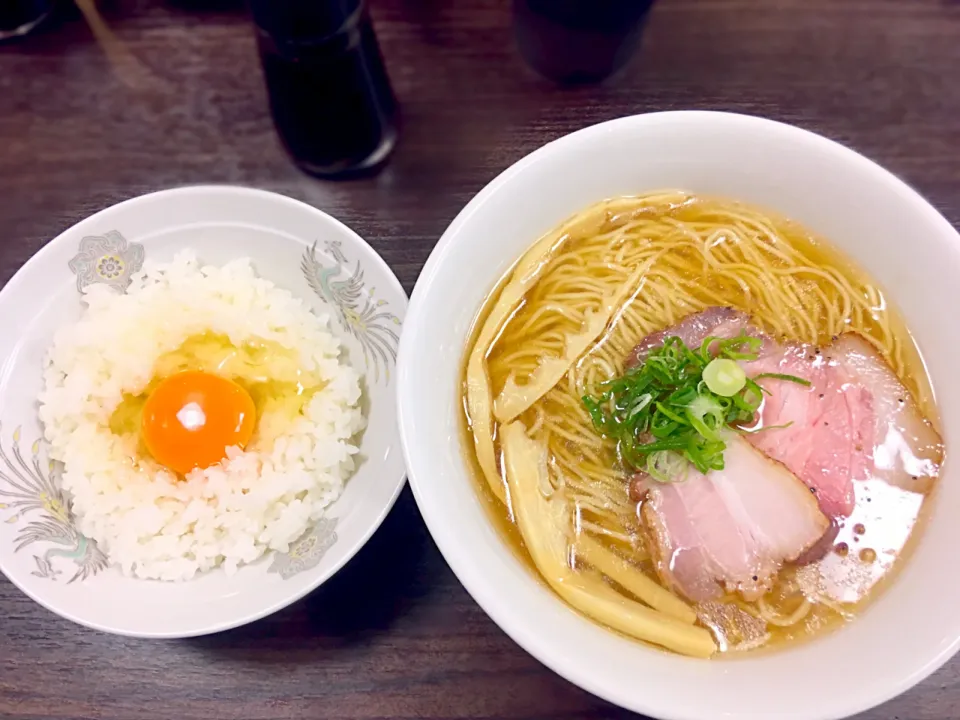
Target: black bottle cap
(292,20)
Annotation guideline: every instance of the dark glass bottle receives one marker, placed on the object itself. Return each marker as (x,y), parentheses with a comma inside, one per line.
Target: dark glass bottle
(18,17)
(329,92)
(571,41)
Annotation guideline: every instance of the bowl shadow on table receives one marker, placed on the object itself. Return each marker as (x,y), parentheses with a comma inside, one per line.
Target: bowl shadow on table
(371,593)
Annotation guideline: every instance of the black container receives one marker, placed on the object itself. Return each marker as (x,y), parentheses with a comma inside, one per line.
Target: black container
(18,17)
(576,41)
(329,92)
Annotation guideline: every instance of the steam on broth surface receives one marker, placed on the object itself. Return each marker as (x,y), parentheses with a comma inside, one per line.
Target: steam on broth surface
(649,394)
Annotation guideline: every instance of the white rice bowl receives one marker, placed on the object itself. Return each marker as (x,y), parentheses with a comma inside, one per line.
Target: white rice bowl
(148,521)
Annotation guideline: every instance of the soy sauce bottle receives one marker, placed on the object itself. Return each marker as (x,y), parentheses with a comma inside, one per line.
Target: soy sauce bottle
(578,41)
(330,96)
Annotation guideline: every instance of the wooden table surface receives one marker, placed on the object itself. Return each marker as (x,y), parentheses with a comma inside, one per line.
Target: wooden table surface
(180,100)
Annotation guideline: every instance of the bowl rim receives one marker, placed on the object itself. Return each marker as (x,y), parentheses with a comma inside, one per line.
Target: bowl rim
(347,554)
(456,555)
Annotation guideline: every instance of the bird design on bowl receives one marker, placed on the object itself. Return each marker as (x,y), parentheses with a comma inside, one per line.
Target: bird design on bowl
(359,312)
(31,489)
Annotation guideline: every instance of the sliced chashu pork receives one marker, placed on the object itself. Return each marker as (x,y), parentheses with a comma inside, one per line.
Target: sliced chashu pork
(855,421)
(720,322)
(905,449)
(733,529)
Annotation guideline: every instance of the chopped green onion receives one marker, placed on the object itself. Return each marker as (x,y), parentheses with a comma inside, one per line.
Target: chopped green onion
(724,377)
(706,416)
(667,466)
(764,429)
(670,414)
(781,376)
(671,410)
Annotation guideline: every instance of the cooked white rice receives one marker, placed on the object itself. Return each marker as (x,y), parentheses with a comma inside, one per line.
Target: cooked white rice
(149,522)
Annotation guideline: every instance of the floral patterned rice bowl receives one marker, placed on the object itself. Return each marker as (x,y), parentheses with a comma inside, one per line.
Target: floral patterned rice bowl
(295,246)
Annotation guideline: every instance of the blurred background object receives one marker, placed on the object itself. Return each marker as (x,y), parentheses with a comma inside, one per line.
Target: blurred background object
(18,17)
(329,92)
(575,41)
(127,67)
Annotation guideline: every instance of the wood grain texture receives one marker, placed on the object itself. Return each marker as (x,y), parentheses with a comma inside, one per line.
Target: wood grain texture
(394,635)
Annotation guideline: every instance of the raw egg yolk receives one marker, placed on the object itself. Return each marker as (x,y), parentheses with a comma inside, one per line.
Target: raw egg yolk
(191,418)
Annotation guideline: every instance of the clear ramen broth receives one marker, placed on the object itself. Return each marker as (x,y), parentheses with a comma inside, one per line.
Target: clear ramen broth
(796,524)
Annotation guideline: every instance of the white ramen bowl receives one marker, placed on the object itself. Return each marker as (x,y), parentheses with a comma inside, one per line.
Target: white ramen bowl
(914,626)
(40,549)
